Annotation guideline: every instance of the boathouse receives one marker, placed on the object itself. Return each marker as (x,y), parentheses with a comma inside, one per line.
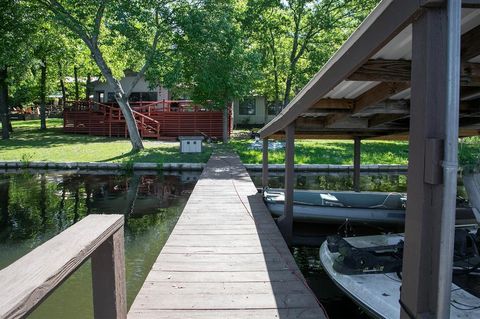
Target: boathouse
(410,71)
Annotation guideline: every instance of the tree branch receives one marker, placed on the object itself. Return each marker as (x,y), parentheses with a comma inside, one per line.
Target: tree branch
(98,22)
(148,59)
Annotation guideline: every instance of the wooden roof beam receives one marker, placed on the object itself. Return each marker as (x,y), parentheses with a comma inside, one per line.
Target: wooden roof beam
(337,104)
(378,94)
(381,119)
(470,44)
(400,70)
(386,107)
(469,93)
(305,123)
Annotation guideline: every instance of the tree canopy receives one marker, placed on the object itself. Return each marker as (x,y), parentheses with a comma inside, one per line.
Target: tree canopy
(210,51)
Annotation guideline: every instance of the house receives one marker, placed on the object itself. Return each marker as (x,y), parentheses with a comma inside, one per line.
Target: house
(142,92)
(253,110)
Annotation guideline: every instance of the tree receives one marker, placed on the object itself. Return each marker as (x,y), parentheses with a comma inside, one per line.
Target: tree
(16,23)
(298,36)
(216,61)
(135,26)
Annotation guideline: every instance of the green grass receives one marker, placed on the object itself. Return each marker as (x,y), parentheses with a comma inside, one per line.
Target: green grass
(329,152)
(28,143)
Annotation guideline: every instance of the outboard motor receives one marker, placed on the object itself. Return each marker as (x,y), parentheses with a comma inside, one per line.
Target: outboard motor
(353,260)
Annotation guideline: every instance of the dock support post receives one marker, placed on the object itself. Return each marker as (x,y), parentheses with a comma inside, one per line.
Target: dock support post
(265,163)
(356,163)
(285,222)
(430,218)
(108,278)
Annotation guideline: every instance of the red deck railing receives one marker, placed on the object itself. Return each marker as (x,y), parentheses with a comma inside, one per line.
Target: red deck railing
(165,119)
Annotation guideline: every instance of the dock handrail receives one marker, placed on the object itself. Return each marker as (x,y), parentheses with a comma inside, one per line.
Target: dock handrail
(29,280)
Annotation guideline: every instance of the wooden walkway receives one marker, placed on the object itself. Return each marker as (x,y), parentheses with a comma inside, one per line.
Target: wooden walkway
(225,258)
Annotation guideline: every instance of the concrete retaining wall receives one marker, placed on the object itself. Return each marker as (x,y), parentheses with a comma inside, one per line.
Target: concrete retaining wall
(189,166)
(330,167)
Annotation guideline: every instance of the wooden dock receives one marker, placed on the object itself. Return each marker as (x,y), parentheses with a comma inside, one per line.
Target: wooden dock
(225,258)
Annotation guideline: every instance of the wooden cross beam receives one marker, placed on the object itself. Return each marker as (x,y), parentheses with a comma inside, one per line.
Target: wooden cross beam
(399,71)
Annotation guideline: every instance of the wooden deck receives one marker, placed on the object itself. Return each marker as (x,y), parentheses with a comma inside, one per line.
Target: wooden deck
(225,258)
(158,120)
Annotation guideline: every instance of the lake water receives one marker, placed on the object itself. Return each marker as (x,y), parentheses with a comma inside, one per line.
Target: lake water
(43,204)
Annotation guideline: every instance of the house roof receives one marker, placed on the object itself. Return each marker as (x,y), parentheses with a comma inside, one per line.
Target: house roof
(364,89)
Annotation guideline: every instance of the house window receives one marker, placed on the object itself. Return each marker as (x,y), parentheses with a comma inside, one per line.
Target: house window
(274,108)
(149,96)
(111,97)
(247,106)
(134,97)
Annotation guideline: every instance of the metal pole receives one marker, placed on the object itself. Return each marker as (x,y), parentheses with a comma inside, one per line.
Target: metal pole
(265,164)
(450,162)
(356,163)
(285,222)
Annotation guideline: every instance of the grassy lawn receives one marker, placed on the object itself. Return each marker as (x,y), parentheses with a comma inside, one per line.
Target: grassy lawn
(28,143)
(329,152)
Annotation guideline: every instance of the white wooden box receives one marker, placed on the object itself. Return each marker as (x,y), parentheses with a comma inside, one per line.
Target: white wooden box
(190,144)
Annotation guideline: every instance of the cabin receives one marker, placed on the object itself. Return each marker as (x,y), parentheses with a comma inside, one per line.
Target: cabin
(255,110)
(142,92)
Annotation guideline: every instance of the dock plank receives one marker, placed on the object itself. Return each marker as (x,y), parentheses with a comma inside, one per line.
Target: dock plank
(225,258)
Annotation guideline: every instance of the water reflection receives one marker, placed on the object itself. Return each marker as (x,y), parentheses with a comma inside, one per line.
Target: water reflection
(36,207)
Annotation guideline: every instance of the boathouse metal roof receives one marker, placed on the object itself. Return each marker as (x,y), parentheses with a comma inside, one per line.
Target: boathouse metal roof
(364,89)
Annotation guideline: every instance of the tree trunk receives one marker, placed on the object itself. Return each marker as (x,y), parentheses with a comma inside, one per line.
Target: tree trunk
(43,94)
(75,206)
(120,97)
(132,127)
(226,126)
(43,201)
(132,194)
(4,195)
(62,85)
(87,87)
(75,75)
(4,103)
(288,88)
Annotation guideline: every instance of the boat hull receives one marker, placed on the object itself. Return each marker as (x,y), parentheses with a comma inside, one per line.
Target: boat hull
(369,208)
(379,293)
(335,215)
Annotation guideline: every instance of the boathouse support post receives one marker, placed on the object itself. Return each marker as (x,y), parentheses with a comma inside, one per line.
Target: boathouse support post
(285,222)
(108,278)
(432,169)
(265,163)
(356,163)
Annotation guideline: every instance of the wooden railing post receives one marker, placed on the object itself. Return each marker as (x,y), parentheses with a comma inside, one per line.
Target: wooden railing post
(108,278)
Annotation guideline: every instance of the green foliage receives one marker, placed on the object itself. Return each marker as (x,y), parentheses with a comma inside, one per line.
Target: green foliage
(296,37)
(469,154)
(215,60)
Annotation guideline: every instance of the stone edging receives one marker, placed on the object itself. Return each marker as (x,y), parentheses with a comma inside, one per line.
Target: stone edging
(330,167)
(102,166)
(191,166)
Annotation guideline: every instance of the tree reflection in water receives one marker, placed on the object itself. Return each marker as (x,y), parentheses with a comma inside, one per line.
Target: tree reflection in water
(35,207)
